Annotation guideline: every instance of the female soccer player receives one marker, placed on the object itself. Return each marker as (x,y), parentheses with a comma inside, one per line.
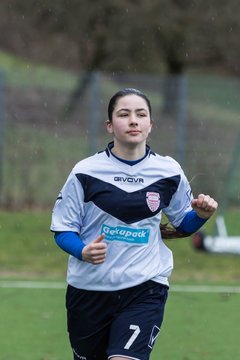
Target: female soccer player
(107,218)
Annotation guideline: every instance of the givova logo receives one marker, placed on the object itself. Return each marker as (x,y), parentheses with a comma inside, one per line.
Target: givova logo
(125,234)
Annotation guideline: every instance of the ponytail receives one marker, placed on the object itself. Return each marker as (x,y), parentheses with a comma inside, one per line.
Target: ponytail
(171,233)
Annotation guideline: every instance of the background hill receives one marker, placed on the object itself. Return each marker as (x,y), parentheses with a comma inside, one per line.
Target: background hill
(44,137)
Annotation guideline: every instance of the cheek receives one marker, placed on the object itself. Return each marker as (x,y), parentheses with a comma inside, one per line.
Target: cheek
(117,128)
(148,128)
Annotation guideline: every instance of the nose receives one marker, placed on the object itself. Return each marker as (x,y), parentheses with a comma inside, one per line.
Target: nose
(133,119)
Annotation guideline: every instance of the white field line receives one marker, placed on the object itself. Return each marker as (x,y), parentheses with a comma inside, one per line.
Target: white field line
(205,289)
(12,284)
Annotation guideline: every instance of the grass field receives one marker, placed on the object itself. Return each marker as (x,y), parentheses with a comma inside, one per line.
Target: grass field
(197,326)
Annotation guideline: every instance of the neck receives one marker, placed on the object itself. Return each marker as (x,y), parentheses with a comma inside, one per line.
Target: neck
(129,153)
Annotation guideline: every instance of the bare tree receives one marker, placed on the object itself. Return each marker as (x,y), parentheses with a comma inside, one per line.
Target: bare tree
(128,35)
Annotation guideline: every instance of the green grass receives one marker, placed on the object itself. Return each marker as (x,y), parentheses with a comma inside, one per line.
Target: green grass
(42,173)
(21,72)
(213,98)
(33,325)
(199,326)
(27,246)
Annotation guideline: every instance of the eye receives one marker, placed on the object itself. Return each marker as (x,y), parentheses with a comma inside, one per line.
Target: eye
(142,115)
(123,115)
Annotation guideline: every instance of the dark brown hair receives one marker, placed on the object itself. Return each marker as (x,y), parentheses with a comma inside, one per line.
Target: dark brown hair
(169,232)
(125,92)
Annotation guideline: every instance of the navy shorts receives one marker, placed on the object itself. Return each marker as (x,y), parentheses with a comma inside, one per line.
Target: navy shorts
(124,323)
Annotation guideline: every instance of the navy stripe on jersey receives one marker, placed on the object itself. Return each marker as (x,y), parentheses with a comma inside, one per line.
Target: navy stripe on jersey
(125,206)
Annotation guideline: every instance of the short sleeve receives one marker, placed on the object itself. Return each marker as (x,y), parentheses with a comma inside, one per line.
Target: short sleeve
(68,209)
(180,203)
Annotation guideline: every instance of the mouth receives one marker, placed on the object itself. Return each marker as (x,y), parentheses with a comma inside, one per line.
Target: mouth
(133,132)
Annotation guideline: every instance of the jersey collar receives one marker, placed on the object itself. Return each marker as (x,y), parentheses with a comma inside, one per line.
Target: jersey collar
(111,144)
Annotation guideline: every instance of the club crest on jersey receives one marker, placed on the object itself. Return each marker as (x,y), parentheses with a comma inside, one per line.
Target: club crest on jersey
(153,200)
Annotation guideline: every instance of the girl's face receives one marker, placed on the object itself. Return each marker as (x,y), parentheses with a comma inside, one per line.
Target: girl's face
(131,122)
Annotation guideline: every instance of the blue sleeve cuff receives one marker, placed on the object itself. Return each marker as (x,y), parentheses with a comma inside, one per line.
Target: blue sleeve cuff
(191,222)
(70,242)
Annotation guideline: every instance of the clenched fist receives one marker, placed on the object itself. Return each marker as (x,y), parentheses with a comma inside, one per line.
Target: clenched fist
(95,252)
(204,205)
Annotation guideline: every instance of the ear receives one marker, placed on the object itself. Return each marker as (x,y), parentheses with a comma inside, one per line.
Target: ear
(150,128)
(109,126)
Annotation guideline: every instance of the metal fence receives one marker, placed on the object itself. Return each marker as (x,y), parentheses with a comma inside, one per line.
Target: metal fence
(48,128)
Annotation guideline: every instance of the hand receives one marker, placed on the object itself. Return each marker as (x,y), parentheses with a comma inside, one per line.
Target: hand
(205,206)
(95,252)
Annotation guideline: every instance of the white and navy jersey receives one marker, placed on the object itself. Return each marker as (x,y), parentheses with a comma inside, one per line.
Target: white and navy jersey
(103,195)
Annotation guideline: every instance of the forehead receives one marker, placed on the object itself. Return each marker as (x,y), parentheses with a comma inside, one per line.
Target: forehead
(131,102)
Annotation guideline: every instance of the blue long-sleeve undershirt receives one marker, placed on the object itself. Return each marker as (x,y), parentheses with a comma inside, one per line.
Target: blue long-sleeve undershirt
(191,222)
(70,241)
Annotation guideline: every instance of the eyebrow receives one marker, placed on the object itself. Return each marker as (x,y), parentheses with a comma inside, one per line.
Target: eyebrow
(128,110)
